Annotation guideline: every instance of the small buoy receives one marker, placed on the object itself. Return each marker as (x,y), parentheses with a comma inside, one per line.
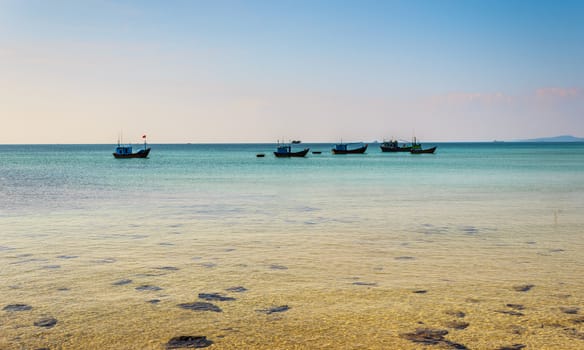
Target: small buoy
(260,155)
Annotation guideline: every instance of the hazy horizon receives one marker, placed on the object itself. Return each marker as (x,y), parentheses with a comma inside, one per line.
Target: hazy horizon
(259,71)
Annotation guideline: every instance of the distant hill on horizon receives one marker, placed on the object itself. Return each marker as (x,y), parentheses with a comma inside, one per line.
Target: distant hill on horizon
(561,138)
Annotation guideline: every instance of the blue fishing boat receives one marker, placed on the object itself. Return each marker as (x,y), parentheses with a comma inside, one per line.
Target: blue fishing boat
(125,151)
(285,151)
(343,148)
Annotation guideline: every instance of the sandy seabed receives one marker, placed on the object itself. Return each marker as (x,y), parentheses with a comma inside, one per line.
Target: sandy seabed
(442,285)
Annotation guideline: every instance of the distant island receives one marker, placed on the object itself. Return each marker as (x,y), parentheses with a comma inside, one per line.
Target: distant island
(562,138)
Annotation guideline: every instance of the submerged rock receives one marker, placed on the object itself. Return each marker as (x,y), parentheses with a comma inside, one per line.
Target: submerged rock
(51,267)
(188,341)
(512,313)
(432,337)
(274,309)
(238,289)
(457,325)
(215,297)
(148,288)
(278,267)
(515,306)
(17,307)
(420,291)
(47,322)
(200,306)
(168,268)
(569,310)
(512,347)
(68,256)
(455,313)
(370,284)
(122,282)
(523,287)
(405,258)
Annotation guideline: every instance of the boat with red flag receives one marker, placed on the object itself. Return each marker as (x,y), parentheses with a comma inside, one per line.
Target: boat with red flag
(125,151)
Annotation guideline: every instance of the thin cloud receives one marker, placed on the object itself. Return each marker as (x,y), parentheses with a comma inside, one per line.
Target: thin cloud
(555,92)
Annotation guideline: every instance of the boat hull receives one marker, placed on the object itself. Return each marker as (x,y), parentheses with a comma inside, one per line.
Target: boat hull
(143,153)
(350,151)
(292,154)
(421,151)
(395,149)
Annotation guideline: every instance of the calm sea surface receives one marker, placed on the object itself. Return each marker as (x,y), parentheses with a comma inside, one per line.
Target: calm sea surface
(480,246)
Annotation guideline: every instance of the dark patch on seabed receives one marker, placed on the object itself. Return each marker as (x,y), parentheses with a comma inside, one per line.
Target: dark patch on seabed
(512,347)
(274,309)
(523,287)
(17,307)
(105,261)
(455,313)
(512,313)
(370,284)
(51,267)
(569,310)
(457,325)
(238,289)
(47,322)
(122,282)
(148,288)
(427,336)
(430,229)
(515,306)
(215,297)
(404,258)
(278,267)
(68,256)
(188,341)
(167,268)
(208,265)
(200,306)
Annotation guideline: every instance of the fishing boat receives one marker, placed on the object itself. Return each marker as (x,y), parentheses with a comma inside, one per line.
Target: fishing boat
(343,148)
(393,146)
(125,151)
(285,151)
(420,151)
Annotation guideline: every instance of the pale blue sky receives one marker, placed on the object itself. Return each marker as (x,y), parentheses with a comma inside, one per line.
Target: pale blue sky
(258,71)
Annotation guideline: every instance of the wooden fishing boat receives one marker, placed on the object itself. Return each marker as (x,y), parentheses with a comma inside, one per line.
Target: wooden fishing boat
(343,148)
(125,151)
(285,151)
(420,151)
(393,146)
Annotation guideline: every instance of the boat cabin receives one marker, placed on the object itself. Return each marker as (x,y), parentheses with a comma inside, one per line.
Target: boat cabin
(123,150)
(284,149)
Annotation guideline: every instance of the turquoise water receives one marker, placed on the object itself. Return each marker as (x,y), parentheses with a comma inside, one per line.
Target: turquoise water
(467,223)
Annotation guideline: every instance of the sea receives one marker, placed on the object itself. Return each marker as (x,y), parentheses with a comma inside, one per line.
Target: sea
(478,246)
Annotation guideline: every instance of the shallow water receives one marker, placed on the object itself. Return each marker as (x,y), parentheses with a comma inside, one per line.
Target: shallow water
(362,249)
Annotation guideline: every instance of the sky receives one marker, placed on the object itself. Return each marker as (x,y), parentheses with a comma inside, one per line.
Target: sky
(218,71)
